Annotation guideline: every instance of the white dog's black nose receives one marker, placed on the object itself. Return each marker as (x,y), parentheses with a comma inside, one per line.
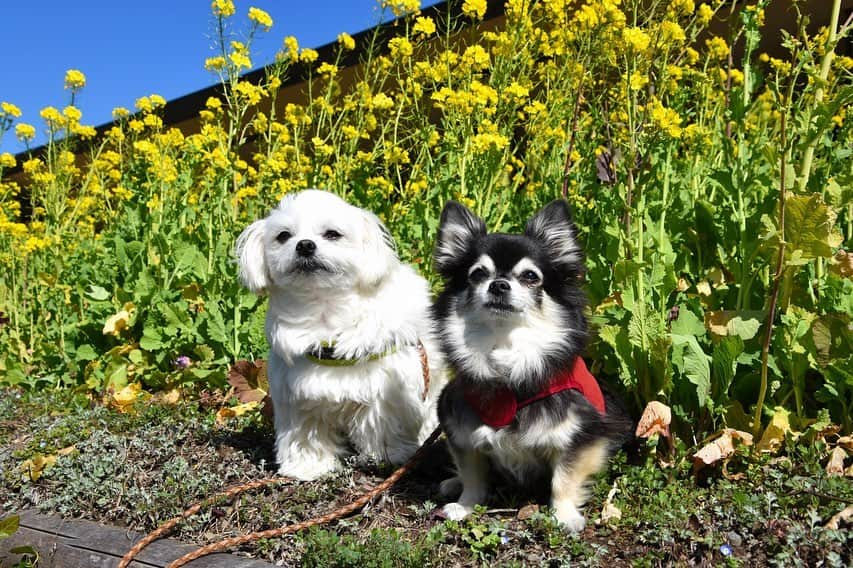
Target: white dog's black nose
(499,287)
(306,247)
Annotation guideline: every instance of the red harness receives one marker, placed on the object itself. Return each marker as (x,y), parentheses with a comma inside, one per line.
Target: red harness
(499,410)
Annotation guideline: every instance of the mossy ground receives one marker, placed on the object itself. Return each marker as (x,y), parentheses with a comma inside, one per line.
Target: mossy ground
(140,468)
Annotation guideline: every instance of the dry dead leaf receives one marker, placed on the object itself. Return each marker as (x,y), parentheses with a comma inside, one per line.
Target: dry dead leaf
(845,442)
(656,419)
(721,447)
(774,434)
(223,414)
(845,515)
(843,264)
(704,288)
(610,511)
(169,398)
(248,380)
(527,511)
(124,399)
(682,285)
(835,465)
(117,322)
(33,468)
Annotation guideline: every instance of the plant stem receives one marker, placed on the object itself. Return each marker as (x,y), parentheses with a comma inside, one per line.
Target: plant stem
(774,296)
(808,155)
(568,163)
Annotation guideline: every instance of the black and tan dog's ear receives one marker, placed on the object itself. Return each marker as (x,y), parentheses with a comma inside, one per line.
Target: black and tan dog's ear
(458,230)
(250,257)
(553,227)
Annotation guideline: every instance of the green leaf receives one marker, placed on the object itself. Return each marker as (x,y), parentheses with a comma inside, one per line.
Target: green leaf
(85,353)
(687,323)
(724,361)
(615,337)
(644,327)
(745,329)
(216,329)
(691,361)
(9,525)
(98,293)
(151,340)
(808,227)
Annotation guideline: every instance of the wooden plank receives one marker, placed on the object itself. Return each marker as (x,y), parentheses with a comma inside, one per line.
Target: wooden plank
(64,543)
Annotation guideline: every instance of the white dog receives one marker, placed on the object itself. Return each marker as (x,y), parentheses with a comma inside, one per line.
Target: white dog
(346,325)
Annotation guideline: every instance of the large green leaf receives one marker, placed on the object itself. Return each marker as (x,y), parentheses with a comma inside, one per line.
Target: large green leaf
(689,358)
(808,228)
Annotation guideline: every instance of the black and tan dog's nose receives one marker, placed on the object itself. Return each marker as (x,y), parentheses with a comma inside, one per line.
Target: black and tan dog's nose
(306,247)
(499,287)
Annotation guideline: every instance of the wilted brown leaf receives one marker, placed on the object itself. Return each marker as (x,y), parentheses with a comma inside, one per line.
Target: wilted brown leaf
(33,468)
(845,515)
(843,264)
(527,511)
(774,434)
(249,380)
(123,400)
(845,442)
(609,511)
(656,419)
(721,447)
(223,414)
(835,465)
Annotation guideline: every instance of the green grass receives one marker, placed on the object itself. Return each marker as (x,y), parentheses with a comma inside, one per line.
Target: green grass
(140,468)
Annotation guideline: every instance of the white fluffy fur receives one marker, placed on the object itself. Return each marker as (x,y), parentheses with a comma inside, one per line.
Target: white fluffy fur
(365,302)
(507,347)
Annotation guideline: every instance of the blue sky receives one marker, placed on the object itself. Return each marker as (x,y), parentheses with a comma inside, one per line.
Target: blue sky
(131,49)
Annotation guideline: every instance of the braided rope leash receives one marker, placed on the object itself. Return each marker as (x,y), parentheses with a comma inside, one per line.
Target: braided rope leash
(339,513)
(167,526)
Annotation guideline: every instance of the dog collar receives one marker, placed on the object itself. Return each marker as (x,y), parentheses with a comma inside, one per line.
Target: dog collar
(499,410)
(325,355)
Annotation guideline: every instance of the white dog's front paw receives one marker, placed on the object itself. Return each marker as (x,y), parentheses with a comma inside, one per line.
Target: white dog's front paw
(569,517)
(307,470)
(456,511)
(450,487)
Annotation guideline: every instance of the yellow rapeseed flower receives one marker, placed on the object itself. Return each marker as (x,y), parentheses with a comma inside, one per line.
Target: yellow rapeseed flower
(74,80)
(223,8)
(636,39)
(52,117)
(7,160)
(260,17)
(474,8)
(25,132)
(402,7)
(637,81)
(400,47)
(424,25)
(8,109)
(72,114)
(705,14)
(308,56)
(217,63)
(667,119)
(292,46)
(346,41)
(718,49)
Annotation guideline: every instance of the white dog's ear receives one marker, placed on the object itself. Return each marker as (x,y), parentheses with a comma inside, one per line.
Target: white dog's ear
(553,227)
(380,252)
(250,258)
(457,231)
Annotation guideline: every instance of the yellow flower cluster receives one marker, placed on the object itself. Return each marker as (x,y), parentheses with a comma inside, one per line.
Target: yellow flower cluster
(74,80)
(260,18)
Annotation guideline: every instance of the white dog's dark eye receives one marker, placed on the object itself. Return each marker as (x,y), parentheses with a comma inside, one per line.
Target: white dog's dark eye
(478,275)
(283,236)
(529,277)
(332,235)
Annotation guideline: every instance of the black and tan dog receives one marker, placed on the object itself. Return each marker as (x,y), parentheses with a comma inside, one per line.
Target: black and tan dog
(511,324)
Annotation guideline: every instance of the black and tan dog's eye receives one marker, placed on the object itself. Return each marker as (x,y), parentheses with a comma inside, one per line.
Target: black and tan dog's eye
(283,236)
(529,277)
(478,275)
(332,235)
